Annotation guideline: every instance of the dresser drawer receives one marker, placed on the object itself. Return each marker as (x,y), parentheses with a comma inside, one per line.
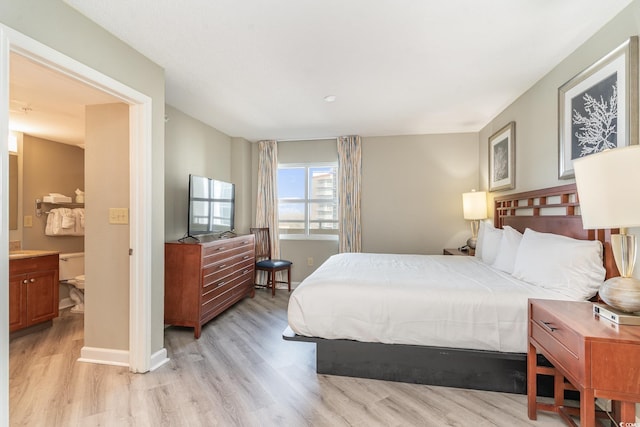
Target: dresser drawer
(218,295)
(558,339)
(214,261)
(226,245)
(214,274)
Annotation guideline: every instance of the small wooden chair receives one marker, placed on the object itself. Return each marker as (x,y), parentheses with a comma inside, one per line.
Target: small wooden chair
(265,263)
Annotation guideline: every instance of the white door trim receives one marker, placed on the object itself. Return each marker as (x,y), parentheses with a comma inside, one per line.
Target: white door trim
(140,190)
(4,229)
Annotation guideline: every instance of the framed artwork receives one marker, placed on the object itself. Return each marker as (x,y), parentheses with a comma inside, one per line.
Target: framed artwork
(598,108)
(502,158)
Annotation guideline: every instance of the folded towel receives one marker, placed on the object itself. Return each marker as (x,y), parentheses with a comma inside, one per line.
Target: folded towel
(68,219)
(60,222)
(51,222)
(78,214)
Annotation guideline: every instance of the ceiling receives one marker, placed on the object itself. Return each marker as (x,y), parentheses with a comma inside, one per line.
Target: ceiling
(261,69)
(48,104)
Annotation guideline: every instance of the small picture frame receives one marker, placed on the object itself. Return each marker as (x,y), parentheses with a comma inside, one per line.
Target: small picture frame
(598,108)
(502,158)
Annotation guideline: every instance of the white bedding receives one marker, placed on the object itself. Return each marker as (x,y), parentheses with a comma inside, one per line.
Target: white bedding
(431,300)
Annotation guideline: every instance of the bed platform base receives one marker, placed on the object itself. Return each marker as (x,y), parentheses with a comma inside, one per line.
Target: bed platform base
(448,367)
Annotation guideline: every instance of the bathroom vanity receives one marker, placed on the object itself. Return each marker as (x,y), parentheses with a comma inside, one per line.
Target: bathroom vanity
(33,288)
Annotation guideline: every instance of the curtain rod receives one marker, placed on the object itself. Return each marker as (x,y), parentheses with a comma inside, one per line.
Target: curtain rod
(306,139)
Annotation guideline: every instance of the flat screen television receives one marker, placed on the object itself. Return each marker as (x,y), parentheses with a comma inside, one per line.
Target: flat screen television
(211,206)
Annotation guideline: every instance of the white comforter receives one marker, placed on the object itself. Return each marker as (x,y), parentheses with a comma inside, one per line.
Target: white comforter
(432,300)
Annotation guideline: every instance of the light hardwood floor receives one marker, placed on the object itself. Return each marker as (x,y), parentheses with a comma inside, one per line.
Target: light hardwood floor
(239,373)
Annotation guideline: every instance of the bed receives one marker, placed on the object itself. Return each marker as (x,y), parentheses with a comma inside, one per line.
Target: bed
(463,324)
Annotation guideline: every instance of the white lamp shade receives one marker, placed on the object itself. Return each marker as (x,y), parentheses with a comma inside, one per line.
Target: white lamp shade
(607,184)
(474,205)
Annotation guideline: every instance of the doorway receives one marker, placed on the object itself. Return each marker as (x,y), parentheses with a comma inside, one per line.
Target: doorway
(139,358)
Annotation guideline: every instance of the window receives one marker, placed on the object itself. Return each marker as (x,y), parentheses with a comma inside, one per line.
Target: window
(308,201)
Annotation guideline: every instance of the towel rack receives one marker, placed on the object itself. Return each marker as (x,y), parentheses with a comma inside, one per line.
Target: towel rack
(39,204)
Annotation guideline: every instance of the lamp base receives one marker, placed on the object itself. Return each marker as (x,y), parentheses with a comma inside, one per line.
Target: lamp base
(472,241)
(622,293)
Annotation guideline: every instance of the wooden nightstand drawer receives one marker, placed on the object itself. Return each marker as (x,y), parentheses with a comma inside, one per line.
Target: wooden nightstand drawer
(558,339)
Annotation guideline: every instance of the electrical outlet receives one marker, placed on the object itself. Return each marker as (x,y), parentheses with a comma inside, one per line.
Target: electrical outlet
(118,216)
(310,261)
(27,221)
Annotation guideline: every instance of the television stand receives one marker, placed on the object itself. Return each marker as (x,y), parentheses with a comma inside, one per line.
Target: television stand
(203,279)
(189,236)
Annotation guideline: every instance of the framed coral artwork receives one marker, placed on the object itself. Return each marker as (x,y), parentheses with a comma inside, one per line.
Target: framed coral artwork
(502,156)
(598,108)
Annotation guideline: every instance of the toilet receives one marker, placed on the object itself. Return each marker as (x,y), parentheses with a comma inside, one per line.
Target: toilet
(72,273)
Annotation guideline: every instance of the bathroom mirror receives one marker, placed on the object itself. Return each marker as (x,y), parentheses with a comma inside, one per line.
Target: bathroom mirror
(13,191)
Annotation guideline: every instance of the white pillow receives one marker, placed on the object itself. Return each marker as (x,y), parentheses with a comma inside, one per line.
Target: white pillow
(569,266)
(487,246)
(509,244)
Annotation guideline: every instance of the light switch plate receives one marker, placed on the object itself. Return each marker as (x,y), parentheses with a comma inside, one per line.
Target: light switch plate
(118,215)
(27,221)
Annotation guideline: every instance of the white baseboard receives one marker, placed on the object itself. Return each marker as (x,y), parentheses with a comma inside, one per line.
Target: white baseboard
(104,356)
(158,359)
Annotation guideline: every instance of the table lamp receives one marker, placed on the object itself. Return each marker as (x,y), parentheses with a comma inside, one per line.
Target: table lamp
(474,208)
(607,184)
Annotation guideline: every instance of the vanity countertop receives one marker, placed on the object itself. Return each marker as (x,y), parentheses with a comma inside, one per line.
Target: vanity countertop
(29,253)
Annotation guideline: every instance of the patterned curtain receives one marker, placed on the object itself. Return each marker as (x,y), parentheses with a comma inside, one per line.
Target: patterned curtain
(267,203)
(349,187)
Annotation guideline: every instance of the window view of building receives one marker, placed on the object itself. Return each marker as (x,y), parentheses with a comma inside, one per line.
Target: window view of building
(308,200)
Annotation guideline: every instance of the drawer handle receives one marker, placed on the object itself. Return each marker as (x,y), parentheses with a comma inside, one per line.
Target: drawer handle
(246,257)
(25,281)
(32,280)
(220,284)
(245,271)
(223,266)
(548,326)
(220,248)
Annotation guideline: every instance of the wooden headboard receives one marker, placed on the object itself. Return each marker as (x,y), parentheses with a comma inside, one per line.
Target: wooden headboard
(551,210)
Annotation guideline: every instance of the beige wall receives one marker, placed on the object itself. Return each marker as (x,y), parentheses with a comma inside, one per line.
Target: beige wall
(49,167)
(60,27)
(107,285)
(412,191)
(191,147)
(241,177)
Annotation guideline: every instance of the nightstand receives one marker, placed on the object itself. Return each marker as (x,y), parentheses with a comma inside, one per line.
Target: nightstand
(452,251)
(597,357)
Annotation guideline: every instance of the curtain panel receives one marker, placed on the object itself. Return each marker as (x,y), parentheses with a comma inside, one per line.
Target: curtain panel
(267,203)
(349,188)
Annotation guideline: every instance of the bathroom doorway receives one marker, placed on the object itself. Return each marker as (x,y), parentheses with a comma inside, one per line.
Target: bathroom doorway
(138,357)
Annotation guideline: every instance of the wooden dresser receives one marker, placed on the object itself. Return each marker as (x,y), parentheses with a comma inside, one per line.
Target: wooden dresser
(201,280)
